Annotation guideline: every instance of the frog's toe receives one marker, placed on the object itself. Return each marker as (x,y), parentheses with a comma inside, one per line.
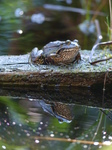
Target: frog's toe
(35,53)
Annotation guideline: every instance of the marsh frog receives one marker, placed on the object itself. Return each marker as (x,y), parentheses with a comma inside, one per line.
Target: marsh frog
(56,53)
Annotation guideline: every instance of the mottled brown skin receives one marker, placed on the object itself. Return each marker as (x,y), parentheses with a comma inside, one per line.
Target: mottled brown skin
(58,53)
(64,57)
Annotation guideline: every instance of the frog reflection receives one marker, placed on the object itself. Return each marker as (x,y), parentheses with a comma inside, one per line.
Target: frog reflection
(59,110)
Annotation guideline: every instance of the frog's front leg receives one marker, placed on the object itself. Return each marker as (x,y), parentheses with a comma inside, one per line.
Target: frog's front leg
(77,58)
(51,59)
(35,56)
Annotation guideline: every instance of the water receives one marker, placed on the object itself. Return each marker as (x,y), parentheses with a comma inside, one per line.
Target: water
(60,118)
(34,119)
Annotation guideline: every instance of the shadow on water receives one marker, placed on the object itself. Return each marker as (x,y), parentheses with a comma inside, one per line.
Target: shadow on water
(63,117)
(70,95)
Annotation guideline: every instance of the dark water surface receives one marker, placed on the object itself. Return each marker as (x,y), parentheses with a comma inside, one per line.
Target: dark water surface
(60,118)
(67,118)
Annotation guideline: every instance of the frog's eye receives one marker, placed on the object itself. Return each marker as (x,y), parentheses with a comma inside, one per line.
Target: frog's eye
(68,42)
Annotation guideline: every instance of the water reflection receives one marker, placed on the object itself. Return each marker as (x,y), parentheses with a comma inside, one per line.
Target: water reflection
(31,117)
(59,110)
(92,97)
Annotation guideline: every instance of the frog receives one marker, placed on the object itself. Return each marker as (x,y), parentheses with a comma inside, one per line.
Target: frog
(57,53)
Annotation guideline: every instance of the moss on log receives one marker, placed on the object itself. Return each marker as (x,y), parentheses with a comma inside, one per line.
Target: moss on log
(16,70)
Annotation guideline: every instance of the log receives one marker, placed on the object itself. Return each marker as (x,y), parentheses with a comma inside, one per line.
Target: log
(17,71)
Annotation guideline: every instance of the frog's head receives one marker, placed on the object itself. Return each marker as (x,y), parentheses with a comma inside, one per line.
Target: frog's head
(54,47)
(61,52)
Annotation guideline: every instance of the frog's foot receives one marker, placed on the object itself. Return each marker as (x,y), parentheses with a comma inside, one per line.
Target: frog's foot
(77,58)
(49,60)
(35,55)
(30,62)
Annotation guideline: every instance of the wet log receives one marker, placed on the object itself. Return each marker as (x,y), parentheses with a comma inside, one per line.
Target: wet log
(17,71)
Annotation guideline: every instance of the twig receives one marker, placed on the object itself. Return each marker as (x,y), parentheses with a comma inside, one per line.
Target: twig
(98,30)
(71,9)
(97,61)
(102,110)
(93,49)
(99,38)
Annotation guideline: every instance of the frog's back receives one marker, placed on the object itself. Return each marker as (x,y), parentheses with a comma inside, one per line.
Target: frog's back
(51,48)
(56,46)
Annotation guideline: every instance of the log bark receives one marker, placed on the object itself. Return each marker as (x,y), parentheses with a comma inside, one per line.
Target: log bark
(17,71)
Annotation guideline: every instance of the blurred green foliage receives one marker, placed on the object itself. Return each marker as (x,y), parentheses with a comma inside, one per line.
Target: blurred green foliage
(17,110)
(58,25)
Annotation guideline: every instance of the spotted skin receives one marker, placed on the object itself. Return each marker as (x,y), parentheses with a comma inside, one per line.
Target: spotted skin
(57,52)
